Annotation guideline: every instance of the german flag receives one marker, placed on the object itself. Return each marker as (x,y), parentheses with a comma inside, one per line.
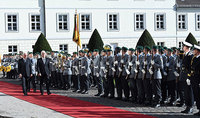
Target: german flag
(76,34)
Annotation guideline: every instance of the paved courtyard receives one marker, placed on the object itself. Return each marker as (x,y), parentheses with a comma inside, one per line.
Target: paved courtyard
(13,107)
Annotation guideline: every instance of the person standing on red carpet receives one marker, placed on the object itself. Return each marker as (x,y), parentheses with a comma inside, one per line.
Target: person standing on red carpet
(44,71)
(25,72)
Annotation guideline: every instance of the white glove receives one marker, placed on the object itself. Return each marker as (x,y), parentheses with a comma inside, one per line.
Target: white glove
(176,74)
(116,62)
(127,71)
(150,71)
(86,74)
(120,69)
(188,82)
(122,61)
(145,63)
(167,64)
(178,65)
(130,64)
(105,71)
(152,62)
(97,74)
(107,63)
(113,69)
(143,71)
(165,73)
(136,71)
(137,63)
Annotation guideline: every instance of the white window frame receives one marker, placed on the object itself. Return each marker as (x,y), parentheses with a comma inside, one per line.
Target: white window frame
(6,19)
(84,45)
(63,47)
(180,44)
(144,21)
(30,22)
(118,23)
(12,48)
(68,23)
(161,43)
(164,22)
(186,22)
(197,22)
(90,22)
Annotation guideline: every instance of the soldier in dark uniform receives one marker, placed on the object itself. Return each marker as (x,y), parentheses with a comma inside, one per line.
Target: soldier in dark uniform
(186,67)
(124,73)
(141,73)
(148,75)
(118,57)
(75,72)
(194,77)
(132,76)
(157,65)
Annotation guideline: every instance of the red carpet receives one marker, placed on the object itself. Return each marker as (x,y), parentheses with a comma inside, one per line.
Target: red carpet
(69,106)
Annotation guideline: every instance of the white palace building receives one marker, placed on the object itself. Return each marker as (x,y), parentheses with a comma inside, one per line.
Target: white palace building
(119,22)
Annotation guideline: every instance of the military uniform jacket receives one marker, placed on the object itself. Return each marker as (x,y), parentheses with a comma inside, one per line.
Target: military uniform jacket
(53,63)
(117,63)
(148,66)
(158,65)
(141,70)
(132,65)
(89,65)
(84,66)
(171,68)
(110,65)
(75,66)
(103,66)
(195,69)
(96,66)
(164,69)
(124,64)
(67,67)
(186,66)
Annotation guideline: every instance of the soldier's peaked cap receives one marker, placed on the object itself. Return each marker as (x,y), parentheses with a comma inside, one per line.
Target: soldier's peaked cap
(187,44)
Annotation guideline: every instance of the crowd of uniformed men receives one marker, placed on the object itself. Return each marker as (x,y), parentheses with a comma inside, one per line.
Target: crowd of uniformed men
(146,76)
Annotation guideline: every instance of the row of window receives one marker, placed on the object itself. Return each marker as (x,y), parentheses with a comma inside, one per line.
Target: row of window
(64,47)
(113,22)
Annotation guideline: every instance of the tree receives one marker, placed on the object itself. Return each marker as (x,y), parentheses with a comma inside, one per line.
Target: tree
(95,41)
(41,44)
(191,39)
(146,40)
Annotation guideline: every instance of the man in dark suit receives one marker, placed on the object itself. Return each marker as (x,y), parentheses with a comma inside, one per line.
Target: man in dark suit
(25,72)
(44,71)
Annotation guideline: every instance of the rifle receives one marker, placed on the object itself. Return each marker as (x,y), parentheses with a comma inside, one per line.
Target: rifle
(145,68)
(121,66)
(137,66)
(129,67)
(152,66)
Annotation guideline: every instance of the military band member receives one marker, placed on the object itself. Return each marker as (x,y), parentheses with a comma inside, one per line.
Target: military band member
(67,72)
(141,74)
(148,75)
(194,76)
(186,68)
(96,72)
(75,72)
(157,65)
(53,58)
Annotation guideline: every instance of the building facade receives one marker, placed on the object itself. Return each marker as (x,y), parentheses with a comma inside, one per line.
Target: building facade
(119,22)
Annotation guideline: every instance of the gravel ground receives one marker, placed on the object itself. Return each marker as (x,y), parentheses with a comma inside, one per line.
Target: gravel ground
(161,112)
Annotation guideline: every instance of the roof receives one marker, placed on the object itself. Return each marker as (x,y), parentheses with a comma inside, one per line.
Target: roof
(188,3)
